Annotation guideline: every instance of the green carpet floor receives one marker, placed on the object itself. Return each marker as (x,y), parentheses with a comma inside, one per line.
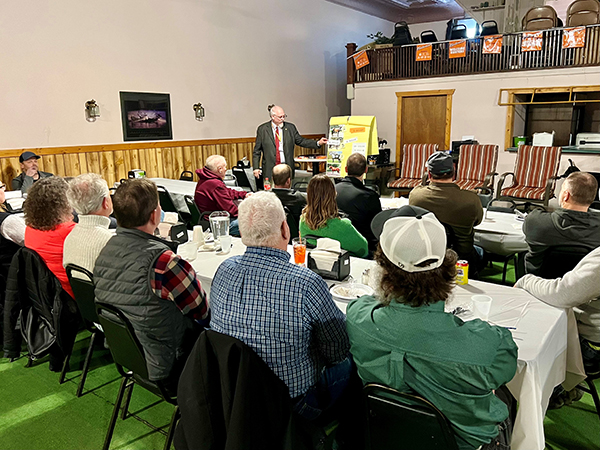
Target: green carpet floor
(38,413)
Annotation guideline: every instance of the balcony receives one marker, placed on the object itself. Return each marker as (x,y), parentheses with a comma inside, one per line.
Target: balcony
(399,63)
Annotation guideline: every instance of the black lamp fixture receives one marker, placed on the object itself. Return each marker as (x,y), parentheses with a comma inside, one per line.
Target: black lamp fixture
(199,111)
(92,110)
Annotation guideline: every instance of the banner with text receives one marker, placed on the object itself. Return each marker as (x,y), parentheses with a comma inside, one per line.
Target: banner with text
(347,135)
(457,49)
(492,44)
(424,52)
(531,41)
(361,59)
(573,37)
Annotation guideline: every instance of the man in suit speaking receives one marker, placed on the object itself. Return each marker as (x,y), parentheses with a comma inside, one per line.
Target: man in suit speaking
(275,141)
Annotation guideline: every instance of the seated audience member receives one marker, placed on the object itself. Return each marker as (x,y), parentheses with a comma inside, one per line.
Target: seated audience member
(572,223)
(12,235)
(578,289)
(459,209)
(30,172)
(212,194)
(321,217)
(156,290)
(49,219)
(402,338)
(90,197)
(359,202)
(290,198)
(282,311)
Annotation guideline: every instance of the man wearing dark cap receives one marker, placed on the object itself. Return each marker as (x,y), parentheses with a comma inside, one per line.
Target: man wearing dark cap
(403,338)
(30,172)
(458,210)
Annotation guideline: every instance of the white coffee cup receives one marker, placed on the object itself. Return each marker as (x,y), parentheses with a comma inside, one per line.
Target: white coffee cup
(482,304)
(226,244)
(198,234)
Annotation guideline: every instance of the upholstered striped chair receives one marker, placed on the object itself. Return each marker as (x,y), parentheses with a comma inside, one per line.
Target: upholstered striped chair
(534,176)
(477,167)
(414,157)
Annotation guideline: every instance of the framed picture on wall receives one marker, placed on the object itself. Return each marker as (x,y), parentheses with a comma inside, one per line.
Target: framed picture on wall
(146,116)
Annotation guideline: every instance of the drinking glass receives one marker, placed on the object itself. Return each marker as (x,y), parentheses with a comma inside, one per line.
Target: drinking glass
(482,304)
(219,224)
(299,245)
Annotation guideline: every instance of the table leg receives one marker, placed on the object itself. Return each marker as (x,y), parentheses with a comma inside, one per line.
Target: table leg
(316,167)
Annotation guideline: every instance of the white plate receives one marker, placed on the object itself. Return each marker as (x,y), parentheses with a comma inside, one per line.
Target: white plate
(349,291)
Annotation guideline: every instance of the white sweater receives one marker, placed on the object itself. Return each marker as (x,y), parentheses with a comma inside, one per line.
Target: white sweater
(86,240)
(578,289)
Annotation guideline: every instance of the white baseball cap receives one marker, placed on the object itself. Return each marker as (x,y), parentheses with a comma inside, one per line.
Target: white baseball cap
(411,237)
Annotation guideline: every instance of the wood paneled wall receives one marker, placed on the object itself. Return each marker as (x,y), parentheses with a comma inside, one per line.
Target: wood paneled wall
(112,162)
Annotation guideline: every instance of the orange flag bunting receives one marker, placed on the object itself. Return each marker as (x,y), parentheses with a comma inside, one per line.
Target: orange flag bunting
(531,41)
(457,49)
(424,52)
(492,44)
(361,59)
(573,37)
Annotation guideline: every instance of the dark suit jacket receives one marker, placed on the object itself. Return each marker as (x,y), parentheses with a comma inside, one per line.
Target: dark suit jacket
(361,204)
(265,146)
(295,202)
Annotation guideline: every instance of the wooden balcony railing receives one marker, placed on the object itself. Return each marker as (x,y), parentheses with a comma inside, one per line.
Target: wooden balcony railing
(397,63)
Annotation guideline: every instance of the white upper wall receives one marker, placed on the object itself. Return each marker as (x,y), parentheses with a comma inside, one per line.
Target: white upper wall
(233,56)
(475,109)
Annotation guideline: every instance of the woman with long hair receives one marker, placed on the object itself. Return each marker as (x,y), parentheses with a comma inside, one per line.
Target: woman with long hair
(49,219)
(320,217)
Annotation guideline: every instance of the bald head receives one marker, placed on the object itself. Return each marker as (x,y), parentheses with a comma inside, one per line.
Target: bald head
(578,191)
(277,115)
(282,176)
(217,164)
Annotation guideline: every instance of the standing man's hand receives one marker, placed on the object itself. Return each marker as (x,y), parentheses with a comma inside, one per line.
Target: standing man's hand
(322,141)
(257,173)
(32,172)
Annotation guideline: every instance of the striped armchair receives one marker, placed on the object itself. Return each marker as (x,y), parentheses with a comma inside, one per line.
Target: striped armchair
(414,157)
(477,167)
(534,176)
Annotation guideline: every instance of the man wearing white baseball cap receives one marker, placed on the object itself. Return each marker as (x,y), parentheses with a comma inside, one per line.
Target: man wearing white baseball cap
(402,337)
(30,172)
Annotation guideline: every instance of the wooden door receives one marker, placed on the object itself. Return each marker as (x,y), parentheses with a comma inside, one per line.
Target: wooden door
(423,118)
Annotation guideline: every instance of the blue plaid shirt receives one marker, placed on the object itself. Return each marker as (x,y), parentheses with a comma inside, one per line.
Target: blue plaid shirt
(282,311)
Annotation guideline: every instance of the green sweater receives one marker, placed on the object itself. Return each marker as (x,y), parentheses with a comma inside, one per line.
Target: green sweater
(341,230)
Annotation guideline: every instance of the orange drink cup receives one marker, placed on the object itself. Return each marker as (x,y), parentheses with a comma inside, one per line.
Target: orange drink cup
(299,245)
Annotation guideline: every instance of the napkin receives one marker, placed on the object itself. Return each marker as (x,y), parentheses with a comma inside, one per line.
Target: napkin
(326,254)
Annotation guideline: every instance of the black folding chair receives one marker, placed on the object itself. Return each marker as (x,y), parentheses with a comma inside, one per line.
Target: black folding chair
(83,287)
(301,186)
(428,36)
(560,259)
(167,204)
(198,217)
(187,175)
(128,355)
(399,420)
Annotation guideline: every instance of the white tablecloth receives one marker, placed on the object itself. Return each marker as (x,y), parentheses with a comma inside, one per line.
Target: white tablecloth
(542,335)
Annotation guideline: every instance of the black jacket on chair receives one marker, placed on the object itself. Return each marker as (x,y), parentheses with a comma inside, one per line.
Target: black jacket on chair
(36,308)
(230,399)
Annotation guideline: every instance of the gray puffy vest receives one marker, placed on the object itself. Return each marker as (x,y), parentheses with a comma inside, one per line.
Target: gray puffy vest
(122,277)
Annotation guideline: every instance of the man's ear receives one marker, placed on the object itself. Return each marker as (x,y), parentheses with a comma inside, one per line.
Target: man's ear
(285,231)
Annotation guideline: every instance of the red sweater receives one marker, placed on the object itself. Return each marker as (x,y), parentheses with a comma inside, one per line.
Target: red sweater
(49,245)
(213,195)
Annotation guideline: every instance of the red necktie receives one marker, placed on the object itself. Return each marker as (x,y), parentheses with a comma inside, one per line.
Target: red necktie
(277,155)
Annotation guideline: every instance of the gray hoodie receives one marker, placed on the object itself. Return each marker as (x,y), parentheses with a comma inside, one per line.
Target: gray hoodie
(561,227)
(578,289)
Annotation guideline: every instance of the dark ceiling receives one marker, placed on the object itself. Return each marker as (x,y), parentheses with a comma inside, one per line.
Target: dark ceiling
(411,11)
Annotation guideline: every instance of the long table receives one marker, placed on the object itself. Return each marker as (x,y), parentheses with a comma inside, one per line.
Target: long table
(547,338)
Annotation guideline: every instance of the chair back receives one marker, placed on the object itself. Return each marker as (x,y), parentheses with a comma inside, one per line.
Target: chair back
(428,36)
(292,222)
(583,12)
(560,259)
(414,157)
(475,163)
(459,31)
(124,346)
(400,420)
(536,165)
(489,28)
(301,186)
(540,18)
(230,179)
(401,34)
(82,283)
(187,175)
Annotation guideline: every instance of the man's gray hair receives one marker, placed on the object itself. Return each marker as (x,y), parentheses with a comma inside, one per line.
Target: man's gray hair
(213,161)
(86,193)
(260,217)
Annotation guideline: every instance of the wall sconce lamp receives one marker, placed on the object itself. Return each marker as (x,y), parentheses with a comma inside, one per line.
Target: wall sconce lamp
(92,110)
(199,110)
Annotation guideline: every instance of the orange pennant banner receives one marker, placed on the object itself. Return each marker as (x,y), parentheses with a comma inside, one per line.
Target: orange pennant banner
(424,52)
(457,49)
(531,41)
(492,44)
(361,59)
(573,37)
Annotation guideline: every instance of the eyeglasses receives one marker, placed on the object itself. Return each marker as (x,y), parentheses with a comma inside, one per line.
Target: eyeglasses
(281,117)
(2,186)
